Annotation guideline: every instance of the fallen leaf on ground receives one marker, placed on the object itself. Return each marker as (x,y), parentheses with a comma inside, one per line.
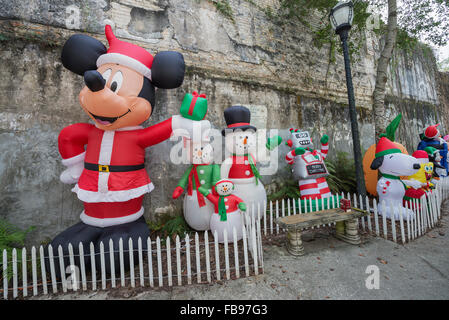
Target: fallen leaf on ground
(382,261)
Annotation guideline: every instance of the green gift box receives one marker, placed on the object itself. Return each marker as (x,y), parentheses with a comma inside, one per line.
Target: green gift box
(194,106)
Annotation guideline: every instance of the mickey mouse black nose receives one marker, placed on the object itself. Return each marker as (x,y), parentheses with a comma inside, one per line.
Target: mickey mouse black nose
(94,80)
(416,166)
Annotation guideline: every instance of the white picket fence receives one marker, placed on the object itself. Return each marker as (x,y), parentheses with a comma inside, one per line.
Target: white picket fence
(426,214)
(163,263)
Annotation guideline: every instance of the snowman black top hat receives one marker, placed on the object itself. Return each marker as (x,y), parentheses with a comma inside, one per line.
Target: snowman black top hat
(237,117)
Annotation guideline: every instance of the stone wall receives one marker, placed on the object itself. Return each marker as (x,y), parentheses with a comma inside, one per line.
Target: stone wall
(250,61)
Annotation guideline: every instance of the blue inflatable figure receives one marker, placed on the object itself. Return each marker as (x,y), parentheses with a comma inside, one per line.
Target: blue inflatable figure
(432,138)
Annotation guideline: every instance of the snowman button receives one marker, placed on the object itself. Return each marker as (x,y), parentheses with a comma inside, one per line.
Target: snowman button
(246,162)
(202,182)
(201,171)
(226,200)
(247,172)
(227,207)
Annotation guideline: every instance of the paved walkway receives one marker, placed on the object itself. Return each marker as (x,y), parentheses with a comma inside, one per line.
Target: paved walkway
(330,270)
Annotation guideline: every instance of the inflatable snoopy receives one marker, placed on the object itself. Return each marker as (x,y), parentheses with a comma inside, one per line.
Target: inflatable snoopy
(392,164)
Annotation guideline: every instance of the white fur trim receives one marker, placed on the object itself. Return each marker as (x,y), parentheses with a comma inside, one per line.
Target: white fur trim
(243,180)
(129,128)
(126,61)
(107,142)
(112,196)
(71,161)
(107,222)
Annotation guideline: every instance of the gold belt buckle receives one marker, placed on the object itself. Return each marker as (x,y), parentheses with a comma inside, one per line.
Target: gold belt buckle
(103,168)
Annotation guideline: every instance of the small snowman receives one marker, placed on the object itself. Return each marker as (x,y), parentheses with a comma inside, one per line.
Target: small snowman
(202,173)
(227,210)
(240,167)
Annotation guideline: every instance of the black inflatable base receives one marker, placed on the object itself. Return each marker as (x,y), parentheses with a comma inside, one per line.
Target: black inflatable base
(87,234)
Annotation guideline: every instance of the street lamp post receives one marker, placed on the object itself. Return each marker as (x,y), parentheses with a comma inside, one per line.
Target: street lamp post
(341,20)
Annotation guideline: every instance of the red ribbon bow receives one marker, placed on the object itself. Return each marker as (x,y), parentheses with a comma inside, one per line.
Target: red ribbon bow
(193,102)
(199,195)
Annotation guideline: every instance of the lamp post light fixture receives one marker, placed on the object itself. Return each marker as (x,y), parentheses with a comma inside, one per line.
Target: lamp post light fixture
(341,17)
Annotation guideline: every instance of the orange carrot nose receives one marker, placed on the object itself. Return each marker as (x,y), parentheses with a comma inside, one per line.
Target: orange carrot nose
(245,141)
(200,153)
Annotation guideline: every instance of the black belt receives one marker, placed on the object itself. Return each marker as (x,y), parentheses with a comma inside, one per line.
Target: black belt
(107,168)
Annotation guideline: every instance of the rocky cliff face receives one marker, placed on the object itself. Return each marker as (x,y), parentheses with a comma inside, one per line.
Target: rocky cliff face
(243,59)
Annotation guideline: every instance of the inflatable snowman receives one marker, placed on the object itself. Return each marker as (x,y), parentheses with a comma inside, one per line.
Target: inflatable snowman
(227,210)
(393,164)
(240,167)
(202,173)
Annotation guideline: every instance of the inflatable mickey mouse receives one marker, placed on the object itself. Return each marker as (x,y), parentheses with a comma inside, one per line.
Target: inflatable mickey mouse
(106,159)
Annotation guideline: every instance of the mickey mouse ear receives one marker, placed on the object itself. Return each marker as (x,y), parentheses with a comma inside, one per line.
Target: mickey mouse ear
(167,71)
(80,53)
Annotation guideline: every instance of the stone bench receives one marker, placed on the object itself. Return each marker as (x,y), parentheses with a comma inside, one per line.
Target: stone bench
(346,230)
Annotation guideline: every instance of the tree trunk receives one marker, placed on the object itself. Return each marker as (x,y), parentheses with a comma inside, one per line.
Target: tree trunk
(380,118)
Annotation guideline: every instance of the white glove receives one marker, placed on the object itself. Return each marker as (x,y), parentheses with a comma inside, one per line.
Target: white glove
(75,167)
(195,130)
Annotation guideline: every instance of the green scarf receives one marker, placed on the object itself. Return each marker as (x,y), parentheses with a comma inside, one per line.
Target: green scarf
(253,168)
(222,208)
(389,176)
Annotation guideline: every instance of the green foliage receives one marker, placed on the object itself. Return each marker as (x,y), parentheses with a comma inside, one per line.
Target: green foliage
(224,8)
(11,237)
(426,20)
(444,65)
(341,174)
(290,189)
(405,42)
(324,34)
(416,19)
(169,226)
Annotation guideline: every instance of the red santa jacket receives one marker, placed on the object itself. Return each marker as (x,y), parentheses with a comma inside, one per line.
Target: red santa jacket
(122,147)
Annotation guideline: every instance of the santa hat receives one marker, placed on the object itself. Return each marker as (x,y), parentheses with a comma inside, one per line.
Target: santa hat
(432,132)
(385,146)
(431,150)
(223,181)
(126,54)
(421,156)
